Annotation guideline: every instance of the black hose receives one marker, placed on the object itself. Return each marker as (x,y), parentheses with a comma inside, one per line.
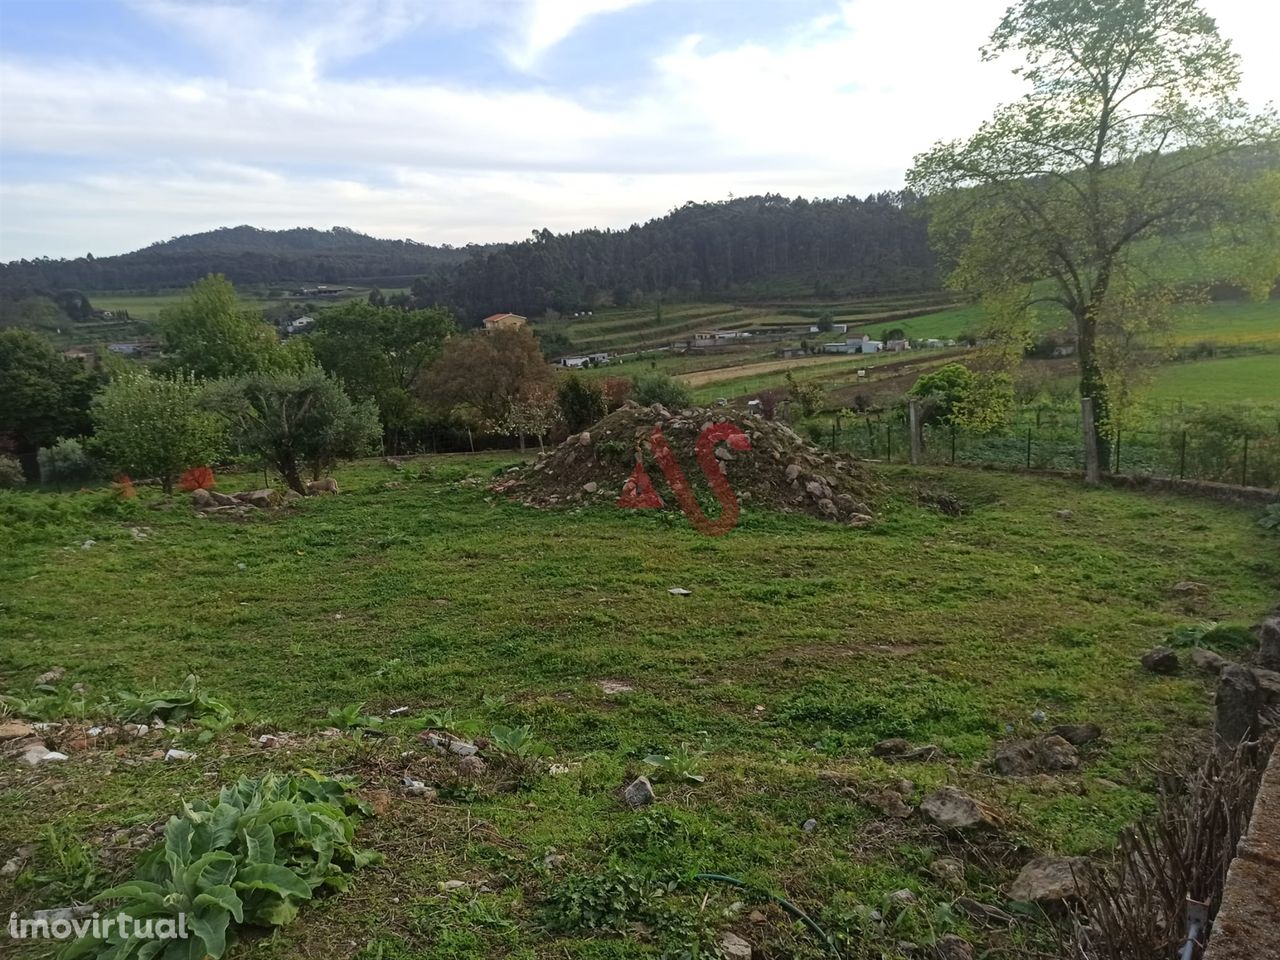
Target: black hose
(785,904)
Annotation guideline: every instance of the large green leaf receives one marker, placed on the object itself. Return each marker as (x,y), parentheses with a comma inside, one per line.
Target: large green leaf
(223,824)
(209,923)
(273,878)
(259,844)
(177,844)
(135,890)
(224,897)
(215,868)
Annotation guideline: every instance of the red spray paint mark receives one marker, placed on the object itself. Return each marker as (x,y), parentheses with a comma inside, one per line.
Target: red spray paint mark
(638,492)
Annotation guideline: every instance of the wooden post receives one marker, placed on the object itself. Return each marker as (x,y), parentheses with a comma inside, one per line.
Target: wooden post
(1092,471)
(917,437)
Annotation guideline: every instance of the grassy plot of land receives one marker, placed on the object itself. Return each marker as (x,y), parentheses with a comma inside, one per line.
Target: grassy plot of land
(801,645)
(1245,379)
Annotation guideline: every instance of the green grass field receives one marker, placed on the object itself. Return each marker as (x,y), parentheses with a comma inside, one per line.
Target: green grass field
(801,645)
(1248,379)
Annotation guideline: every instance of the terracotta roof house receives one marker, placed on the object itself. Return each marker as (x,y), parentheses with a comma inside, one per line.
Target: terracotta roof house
(503,321)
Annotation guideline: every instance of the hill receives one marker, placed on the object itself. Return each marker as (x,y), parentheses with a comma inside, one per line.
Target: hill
(246,255)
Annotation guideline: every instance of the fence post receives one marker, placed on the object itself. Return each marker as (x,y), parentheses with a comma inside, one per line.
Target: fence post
(1117,470)
(917,438)
(1028,448)
(888,442)
(1244,468)
(1182,458)
(1092,471)
(953,444)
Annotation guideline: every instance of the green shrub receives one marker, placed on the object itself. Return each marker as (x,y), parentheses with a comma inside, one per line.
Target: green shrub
(249,859)
(651,388)
(66,462)
(11,475)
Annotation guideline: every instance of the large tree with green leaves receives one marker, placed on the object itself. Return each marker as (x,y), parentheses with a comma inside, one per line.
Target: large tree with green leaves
(43,395)
(295,419)
(212,334)
(150,426)
(379,352)
(1131,136)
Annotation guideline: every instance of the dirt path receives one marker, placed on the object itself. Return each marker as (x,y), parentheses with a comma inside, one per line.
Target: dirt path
(701,378)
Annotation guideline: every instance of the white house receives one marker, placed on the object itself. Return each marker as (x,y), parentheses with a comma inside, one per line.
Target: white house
(897,346)
(573,362)
(863,344)
(301,325)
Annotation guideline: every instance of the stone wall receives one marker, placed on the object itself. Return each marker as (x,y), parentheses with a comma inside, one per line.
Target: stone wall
(1248,924)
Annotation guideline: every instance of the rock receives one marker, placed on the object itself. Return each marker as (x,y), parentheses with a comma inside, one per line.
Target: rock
(222,499)
(904,787)
(809,825)
(316,487)
(64,914)
(614,687)
(951,947)
(472,766)
(953,809)
(1051,880)
(447,744)
(734,947)
(1015,758)
(982,912)
(1269,643)
(890,803)
(137,729)
(723,454)
(173,753)
(793,471)
(449,886)
(903,898)
(949,870)
(1208,660)
(1021,758)
(584,438)
(88,544)
(1063,514)
(813,488)
(827,507)
(1188,588)
(269,741)
(1160,660)
(51,676)
(267,499)
(15,730)
(11,867)
(1237,704)
(1056,753)
(591,487)
(679,592)
(202,499)
(379,801)
(416,788)
(36,754)
(1039,717)
(639,793)
(755,916)
(1077,733)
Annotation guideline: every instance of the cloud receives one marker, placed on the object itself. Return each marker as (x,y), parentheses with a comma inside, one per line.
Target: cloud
(114,156)
(546,22)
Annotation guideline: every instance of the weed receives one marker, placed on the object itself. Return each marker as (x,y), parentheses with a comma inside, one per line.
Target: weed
(681,764)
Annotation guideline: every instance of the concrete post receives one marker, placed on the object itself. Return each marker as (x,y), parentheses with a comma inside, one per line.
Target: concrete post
(1092,470)
(917,434)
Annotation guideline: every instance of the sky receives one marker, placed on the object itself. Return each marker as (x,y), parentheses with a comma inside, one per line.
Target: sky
(124,122)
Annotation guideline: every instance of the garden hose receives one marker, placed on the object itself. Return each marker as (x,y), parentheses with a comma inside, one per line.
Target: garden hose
(785,904)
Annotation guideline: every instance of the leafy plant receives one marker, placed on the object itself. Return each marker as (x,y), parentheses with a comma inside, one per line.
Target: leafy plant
(445,719)
(351,717)
(1270,519)
(51,703)
(250,858)
(681,764)
(75,871)
(11,475)
(66,461)
(188,702)
(518,741)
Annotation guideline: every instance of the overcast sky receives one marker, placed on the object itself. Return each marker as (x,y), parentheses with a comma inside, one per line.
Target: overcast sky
(123,122)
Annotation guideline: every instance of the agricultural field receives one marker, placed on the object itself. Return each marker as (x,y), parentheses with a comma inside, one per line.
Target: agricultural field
(1247,379)
(418,598)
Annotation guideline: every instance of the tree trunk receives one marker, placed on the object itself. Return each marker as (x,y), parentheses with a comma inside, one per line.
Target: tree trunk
(1091,382)
(289,470)
(166,484)
(521,435)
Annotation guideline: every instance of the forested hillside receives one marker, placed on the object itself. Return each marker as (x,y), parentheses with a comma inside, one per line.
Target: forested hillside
(246,255)
(737,248)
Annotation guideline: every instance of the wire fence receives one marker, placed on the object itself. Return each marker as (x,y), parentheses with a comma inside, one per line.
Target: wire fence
(1224,446)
